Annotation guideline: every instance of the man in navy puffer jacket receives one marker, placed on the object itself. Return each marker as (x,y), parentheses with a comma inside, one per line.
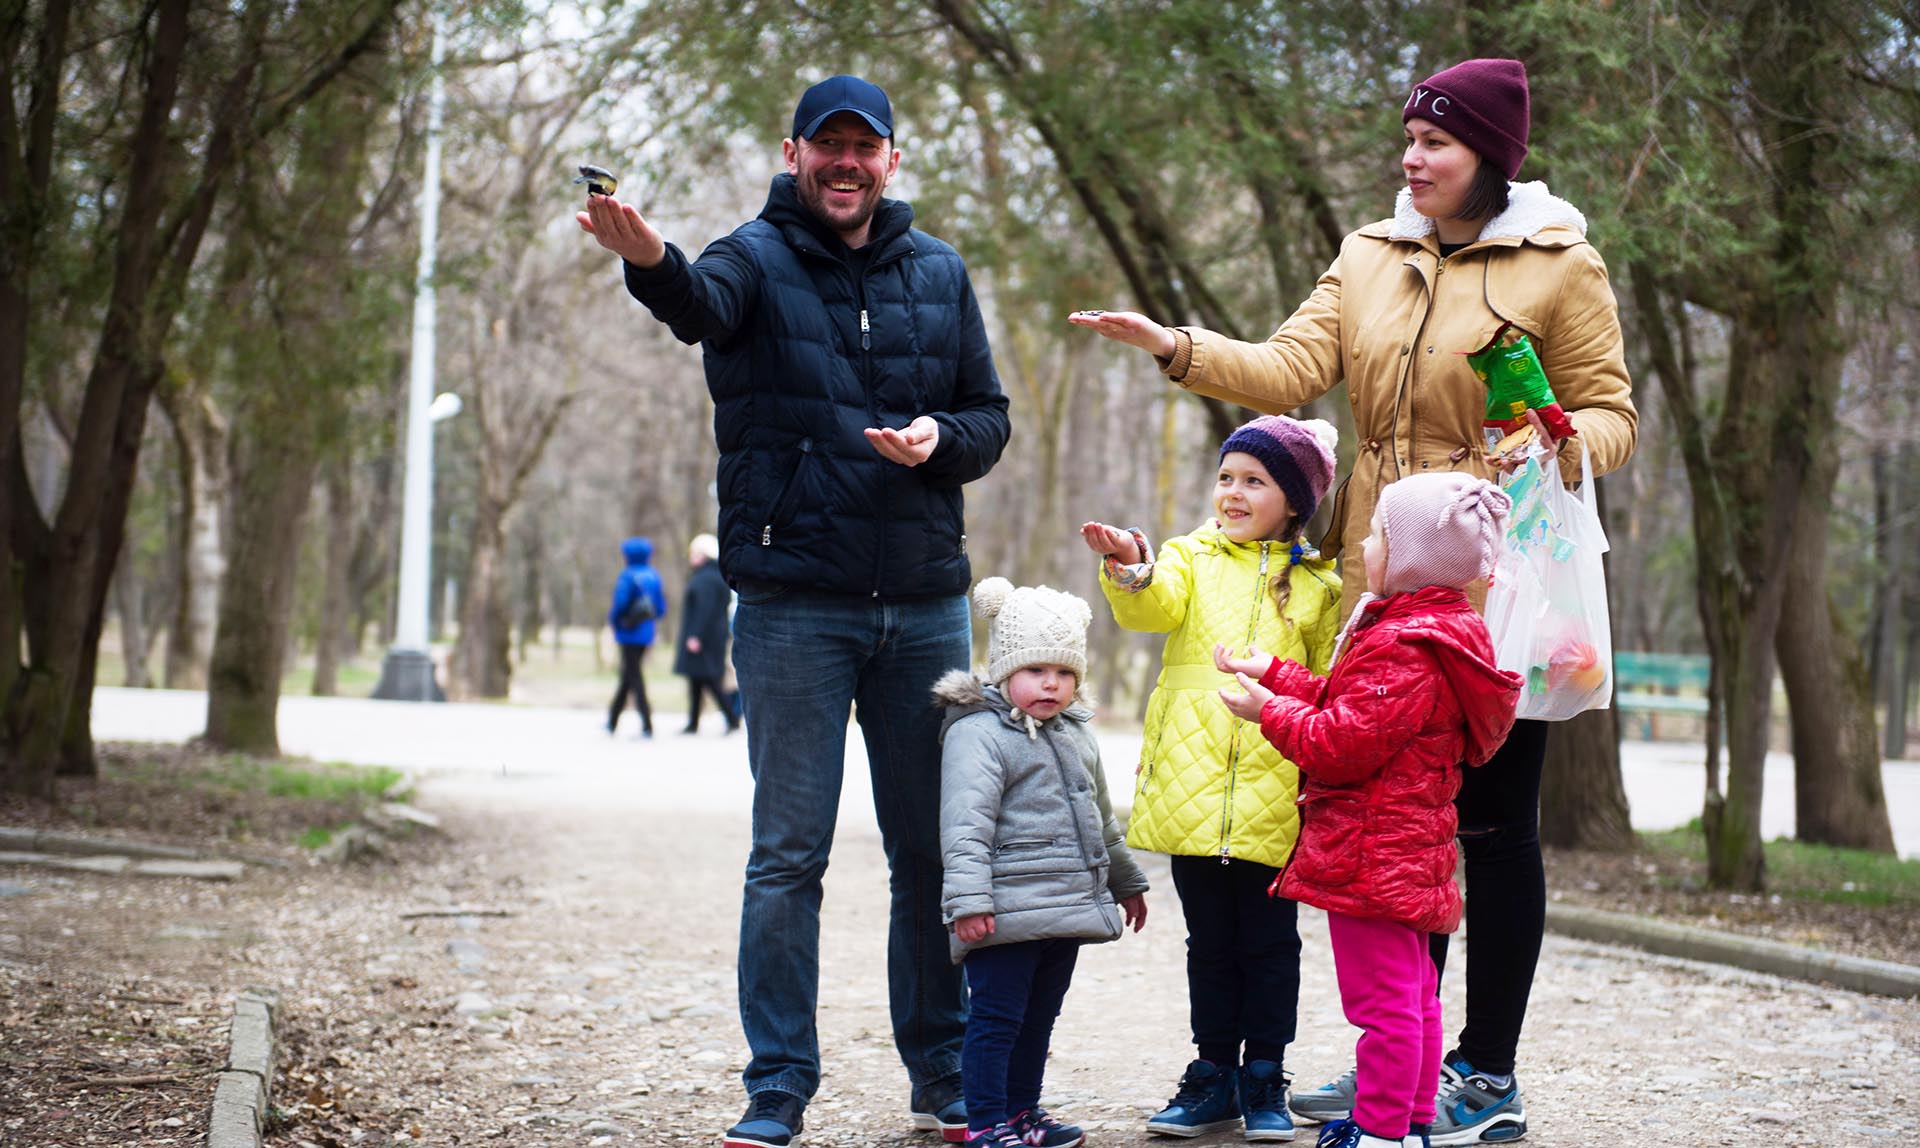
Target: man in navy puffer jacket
(854,395)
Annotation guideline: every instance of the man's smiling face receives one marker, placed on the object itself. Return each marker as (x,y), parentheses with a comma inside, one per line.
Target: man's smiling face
(842,172)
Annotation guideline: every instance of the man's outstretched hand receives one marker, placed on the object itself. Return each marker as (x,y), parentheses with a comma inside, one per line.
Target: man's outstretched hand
(621,229)
(909,447)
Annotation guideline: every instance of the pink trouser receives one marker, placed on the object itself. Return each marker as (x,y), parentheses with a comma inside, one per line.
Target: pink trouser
(1390,991)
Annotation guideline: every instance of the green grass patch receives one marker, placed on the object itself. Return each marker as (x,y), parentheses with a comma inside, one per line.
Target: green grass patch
(315,838)
(1805,871)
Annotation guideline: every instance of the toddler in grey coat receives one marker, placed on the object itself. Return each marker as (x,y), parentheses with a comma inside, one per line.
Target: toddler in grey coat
(1035,864)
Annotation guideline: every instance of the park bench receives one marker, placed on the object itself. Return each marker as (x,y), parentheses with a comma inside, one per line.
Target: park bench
(1651,685)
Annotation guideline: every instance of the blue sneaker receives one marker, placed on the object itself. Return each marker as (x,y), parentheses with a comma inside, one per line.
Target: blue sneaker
(1347,1134)
(772,1121)
(1263,1101)
(998,1136)
(1207,1101)
(1037,1129)
(1472,1109)
(940,1107)
(1329,1102)
(1418,1136)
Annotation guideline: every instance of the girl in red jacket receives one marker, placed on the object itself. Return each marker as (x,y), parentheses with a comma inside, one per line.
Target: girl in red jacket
(1413,693)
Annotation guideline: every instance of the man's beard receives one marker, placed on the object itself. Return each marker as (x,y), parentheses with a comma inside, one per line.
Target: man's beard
(813,193)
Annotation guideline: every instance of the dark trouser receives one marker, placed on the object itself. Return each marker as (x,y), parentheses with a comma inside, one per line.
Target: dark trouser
(1243,959)
(1016,992)
(1499,806)
(631,681)
(698,687)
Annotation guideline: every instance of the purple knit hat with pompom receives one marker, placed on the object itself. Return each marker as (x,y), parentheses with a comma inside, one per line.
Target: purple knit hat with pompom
(1297,453)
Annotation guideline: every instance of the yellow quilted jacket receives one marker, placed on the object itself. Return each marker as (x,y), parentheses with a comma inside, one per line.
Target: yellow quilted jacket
(1208,784)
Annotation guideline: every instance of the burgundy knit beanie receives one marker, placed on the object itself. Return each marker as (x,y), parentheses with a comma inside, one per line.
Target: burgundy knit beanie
(1481,103)
(1298,454)
(1441,530)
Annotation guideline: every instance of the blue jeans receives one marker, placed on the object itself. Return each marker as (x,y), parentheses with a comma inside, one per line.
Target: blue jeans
(1017,990)
(802,657)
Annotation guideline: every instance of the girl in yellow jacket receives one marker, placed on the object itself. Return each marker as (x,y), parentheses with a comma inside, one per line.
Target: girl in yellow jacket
(1209,790)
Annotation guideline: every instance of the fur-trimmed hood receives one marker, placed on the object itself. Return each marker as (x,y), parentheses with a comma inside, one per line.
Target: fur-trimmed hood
(965,692)
(1531,209)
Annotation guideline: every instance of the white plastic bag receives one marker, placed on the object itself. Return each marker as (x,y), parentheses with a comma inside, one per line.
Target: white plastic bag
(1547,602)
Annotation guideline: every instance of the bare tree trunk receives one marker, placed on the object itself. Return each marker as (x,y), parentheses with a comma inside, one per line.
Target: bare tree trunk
(1893,472)
(481,652)
(135,639)
(200,435)
(272,489)
(333,594)
(1837,790)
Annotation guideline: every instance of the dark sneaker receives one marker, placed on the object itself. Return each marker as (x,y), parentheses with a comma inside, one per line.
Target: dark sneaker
(1329,1102)
(772,1121)
(1418,1136)
(1347,1134)
(1471,1109)
(1038,1130)
(1207,1101)
(940,1107)
(1263,1101)
(998,1136)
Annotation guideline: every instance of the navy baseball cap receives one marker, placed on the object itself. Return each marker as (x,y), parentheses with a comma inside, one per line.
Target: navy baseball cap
(842,94)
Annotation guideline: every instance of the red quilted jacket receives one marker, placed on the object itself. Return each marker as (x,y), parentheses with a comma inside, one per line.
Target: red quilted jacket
(1379,743)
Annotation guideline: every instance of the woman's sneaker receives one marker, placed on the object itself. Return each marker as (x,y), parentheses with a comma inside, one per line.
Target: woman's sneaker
(1473,1109)
(772,1121)
(1263,1101)
(1037,1129)
(1327,1103)
(1207,1101)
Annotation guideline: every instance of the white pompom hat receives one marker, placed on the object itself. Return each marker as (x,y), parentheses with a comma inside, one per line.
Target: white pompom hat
(1031,626)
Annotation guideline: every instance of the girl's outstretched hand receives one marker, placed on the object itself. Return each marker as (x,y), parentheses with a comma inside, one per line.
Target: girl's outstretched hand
(1249,704)
(1255,665)
(1129,327)
(1135,910)
(975,928)
(1103,540)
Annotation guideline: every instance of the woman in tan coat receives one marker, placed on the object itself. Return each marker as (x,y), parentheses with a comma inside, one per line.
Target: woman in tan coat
(1466,252)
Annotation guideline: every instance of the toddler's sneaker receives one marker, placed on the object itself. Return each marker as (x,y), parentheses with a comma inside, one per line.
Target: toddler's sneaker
(998,1136)
(772,1121)
(1472,1109)
(1036,1128)
(1417,1136)
(1263,1101)
(940,1107)
(1207,1101)
(1347,1134)
(1329,1102)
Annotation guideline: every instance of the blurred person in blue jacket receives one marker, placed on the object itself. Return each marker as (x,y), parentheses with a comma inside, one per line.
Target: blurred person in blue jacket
(638,601)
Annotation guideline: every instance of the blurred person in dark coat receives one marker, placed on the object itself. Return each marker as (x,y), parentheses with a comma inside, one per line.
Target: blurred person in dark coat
(704,627)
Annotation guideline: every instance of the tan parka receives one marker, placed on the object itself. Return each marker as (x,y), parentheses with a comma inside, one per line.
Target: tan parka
(1392,318)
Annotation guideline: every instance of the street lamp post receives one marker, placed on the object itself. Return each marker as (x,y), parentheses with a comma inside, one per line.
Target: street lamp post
(407,674)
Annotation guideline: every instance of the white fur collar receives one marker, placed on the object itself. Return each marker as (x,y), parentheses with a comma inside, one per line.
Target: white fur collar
(1530,209)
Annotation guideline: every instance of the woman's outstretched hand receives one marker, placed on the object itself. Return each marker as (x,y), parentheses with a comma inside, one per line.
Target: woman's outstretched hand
(1129,327)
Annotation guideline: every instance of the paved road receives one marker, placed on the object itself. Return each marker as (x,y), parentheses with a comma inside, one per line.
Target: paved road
(1664,779)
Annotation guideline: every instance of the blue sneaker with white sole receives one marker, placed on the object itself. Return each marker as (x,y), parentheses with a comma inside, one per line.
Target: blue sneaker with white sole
(1207,1100)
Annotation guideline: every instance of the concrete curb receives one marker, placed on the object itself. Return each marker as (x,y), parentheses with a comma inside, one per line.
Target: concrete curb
(1859,974)
(244,1095)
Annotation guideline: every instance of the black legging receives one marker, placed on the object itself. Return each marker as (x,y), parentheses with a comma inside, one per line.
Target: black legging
(631,680)
(1499,806)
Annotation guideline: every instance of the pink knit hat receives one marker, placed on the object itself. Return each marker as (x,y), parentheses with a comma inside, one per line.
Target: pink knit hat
(1440,530)
(1483,104)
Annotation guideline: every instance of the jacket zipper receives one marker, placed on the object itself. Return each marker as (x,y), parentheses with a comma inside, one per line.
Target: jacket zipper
(1233,746)
(1410,352)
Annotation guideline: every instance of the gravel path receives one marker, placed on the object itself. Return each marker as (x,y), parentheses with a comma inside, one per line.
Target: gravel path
(604,1006)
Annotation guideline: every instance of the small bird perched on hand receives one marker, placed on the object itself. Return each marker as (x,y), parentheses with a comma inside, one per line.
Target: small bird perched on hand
(599,180)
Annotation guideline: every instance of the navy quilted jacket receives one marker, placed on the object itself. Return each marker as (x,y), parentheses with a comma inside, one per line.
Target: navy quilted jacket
(801,357)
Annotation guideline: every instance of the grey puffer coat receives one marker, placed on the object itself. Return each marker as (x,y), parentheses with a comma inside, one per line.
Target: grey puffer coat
(1026,830)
